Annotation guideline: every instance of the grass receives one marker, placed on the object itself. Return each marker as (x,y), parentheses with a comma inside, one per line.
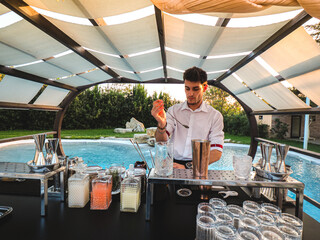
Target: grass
(99,133)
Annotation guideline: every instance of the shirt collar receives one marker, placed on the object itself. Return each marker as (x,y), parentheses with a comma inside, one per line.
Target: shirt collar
(203,107)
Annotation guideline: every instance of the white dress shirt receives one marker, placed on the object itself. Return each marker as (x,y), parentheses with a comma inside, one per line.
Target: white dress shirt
(204,123)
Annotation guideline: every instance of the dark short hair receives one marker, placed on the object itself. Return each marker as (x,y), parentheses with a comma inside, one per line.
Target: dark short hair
(195,74)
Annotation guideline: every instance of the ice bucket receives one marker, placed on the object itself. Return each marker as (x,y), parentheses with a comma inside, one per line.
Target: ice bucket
(200,157)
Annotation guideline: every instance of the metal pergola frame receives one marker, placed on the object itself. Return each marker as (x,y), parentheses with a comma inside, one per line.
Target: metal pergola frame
(23,9)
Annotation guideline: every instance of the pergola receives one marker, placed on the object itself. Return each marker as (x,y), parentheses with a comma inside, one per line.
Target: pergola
(48,59)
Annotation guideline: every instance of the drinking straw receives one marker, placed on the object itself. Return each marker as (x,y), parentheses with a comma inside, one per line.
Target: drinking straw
(140,153)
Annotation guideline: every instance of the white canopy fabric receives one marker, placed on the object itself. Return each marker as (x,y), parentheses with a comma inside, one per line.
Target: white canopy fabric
(93,41)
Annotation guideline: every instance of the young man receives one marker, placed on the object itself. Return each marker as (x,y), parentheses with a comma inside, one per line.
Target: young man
(204,121)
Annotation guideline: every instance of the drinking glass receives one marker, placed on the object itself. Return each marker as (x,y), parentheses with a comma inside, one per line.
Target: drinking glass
(271,233)
(242,166)
(225,230)
(248,220)
(251,207)
(291,219)
(289,231)
(223,215)
(272,209)
(205,226)
(217,203)
(164,158)
(266,219)
(205,208)
(248,233)
(236,211)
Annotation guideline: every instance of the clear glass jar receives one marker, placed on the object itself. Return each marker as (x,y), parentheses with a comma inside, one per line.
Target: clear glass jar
(115,171)
(78,187)
(101,192)
(130,192)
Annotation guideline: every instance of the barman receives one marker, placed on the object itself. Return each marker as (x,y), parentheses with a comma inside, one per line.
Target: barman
(192,119)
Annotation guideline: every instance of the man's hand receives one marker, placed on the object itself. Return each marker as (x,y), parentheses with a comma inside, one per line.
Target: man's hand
(179,166)
(158,113)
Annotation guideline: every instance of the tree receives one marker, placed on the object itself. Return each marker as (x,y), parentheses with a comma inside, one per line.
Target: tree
(222,101)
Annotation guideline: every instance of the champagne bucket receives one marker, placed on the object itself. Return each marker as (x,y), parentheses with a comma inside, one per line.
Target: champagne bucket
(200,157)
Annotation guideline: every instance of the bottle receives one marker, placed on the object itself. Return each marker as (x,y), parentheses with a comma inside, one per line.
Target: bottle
(78,187)
(130,192)
(101,192)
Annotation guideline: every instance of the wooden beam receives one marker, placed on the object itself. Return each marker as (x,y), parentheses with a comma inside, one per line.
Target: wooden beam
(23,106)
(296,22)
(30,77)
(32,16)
(162,42)
(4,140)
(315,110)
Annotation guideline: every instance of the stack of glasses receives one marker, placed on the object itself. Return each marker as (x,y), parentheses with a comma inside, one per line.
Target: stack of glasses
(217,220)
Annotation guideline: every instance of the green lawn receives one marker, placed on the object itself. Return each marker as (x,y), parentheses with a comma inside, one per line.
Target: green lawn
(98,133)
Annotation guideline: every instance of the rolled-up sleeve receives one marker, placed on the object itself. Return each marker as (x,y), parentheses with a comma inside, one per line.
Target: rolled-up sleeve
(216,134)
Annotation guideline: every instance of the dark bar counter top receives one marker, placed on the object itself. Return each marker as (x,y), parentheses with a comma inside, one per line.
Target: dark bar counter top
(172,217)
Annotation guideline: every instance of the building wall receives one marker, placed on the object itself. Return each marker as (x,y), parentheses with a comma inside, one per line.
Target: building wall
(314,127)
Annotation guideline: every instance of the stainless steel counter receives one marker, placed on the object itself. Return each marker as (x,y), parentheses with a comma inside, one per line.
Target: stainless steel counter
(22,171)
(225,178)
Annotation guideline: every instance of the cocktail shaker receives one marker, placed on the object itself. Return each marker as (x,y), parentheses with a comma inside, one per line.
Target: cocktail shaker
(200,157)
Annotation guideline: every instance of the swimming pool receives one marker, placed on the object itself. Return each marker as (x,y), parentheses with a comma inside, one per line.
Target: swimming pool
(106,152)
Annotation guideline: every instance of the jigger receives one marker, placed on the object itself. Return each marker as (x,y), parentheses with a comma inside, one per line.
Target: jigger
(267,153)
(283,151)
(53,143)
(39,140)
(262,159)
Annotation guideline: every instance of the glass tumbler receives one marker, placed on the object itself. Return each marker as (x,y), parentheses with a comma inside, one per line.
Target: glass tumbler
(224,215)
(164,158)
(272,209)
(248,233)
(271,233)
(217,203)
(248,220)
(205,226)
(205,208)
(251,207)
(289,231)
(236,211)
(225,230)
(292,220)
(265,218)
(242,166)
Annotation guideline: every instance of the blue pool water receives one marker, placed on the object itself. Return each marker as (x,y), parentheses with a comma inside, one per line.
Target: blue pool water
(106,152)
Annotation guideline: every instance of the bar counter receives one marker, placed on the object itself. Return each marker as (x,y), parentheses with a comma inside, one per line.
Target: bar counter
(172,217)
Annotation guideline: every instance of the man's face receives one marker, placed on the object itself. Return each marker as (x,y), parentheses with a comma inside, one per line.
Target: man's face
(194,92)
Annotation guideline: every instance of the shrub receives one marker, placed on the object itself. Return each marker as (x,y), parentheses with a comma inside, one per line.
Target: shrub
(280,129)
(236,124)
(263,130)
